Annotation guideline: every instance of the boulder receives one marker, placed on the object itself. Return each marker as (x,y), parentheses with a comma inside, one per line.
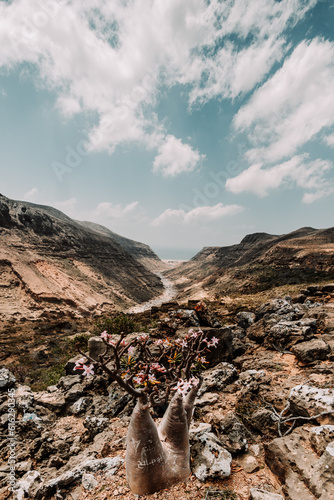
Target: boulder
(29,485)
(209,459)
(96,346)
(230,344)
(309,401)
(95,425)
(245,319)
(321,436)
(80,405)
(251,379)
(307,352)
(217,378)
(277,306)
(304,475)
(233,434)
(7,379)
(89,482)
(54,401)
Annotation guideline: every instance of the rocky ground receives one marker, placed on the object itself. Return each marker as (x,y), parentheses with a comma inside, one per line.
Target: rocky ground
(263,425)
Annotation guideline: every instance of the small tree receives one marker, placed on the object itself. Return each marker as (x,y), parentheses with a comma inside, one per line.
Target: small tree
(155,372)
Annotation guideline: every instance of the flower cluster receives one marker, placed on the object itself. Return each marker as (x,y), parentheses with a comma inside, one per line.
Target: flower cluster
(87,370)
(183,386)
(153,367)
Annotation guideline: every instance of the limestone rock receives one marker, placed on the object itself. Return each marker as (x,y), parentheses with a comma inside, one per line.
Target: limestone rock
(303,474)
(309,401)
(53,401)
(89,482)
(256,494)
(95,425)
(306,352)
(233,434)
(210,459)
(80,405)
(249,463)
(7,379)
(29,485)
(217,378)
(245,319)
(321,436)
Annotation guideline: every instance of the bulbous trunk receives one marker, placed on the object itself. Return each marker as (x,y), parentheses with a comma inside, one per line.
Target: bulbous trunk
(145,456)
(158,458)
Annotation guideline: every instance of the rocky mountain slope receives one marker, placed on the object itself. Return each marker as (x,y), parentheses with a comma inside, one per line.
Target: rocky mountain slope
(258,262)
(51,265)
(266,404)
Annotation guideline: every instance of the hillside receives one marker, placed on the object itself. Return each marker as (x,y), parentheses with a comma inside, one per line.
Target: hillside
(51,265)
(260,261)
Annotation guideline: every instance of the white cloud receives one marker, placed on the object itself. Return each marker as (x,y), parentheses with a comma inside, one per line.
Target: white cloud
(174,158)
(116,211)
(329,139)
(293,106)
(31,195)
(196,215)
(66,205)
(299,171)
(110,59)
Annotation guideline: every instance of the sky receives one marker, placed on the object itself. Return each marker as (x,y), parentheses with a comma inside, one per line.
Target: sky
(179,123)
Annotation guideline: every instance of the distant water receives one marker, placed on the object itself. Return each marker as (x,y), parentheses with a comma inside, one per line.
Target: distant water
(168,294)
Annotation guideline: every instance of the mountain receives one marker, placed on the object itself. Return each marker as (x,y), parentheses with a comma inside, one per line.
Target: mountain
(51,265)
(258,262)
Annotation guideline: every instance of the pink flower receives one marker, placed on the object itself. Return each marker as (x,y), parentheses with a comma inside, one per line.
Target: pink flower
(131,350)
(194,335)
(183,343)
(88,370)
(182,387)
(158,368)
(142,338)
(214,342)
(79,364)
(123,343)
(194,381)
(104,335)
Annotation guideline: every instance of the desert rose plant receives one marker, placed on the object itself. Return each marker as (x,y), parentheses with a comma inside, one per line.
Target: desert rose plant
(155,372)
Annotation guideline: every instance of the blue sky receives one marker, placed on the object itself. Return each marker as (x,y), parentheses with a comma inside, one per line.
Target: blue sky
(181,124)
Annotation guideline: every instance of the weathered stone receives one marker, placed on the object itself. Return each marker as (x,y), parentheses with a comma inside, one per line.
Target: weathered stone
(29,485)
(52,401)
(306,352)
(321,436)
(233,434)
(309,401)
(253,378)
(89,482)
(80,405)
(264,421)
(7,379)
(248,463)
(210,459)
(74,393)
(217,378)
(256,494)
(95,425)
(208,398)
(245,319)
(303,474)
(96,346)
(68,381)
(24,397)
(277,306)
